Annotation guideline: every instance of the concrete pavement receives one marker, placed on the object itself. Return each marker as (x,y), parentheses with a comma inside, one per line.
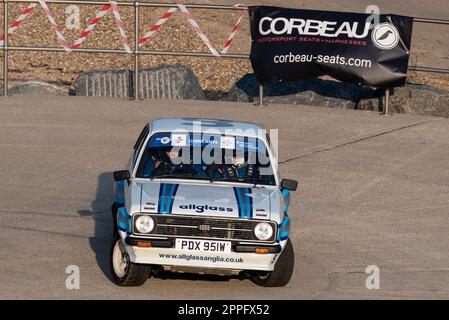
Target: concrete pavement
(373,191)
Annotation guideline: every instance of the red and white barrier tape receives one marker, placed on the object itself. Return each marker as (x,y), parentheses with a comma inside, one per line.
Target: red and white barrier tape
(54,26)
(158,24)
(15,25)
(195,26)
(60,36)
(100,15)
(197,29)
(233,32)
(121,27)
(103,10)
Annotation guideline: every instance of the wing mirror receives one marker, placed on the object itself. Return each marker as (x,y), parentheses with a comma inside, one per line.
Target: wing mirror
(289,184)
(121,175)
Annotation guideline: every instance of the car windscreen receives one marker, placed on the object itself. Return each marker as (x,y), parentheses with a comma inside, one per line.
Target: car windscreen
(205,156)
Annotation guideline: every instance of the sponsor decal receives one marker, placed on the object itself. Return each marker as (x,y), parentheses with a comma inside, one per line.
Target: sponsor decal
(284,229)
(261,215)
(309,27)
(385,36)
(124,220)
(249,144)
(202,208)
(227,142)
(179,140)
(167,193)
(160,140)
(120,192)
(203,141)
(244,202)
(189,257)
(165,140)
(206,140)
(296,44)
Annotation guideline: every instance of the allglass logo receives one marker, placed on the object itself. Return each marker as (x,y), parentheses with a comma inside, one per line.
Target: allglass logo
(330,29)
(206,207)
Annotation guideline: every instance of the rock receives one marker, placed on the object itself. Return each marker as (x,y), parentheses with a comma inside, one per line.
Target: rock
(169,82)
(412,99)
(108,83)
(371,104)
(38,88)
(312,98)
(162,82)
(315,92)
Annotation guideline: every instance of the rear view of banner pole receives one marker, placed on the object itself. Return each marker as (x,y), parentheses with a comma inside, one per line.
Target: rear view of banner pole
(261,102)
(387,102)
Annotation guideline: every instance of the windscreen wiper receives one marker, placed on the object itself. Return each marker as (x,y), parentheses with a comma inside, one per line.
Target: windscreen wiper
(258,181)
(179,176)
(254,181)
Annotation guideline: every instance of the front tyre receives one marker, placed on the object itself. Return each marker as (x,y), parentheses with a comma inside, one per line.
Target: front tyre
(282,272)
(124,272)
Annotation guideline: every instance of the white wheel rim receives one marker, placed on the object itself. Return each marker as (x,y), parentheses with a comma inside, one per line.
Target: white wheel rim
(119,261)
(265,276)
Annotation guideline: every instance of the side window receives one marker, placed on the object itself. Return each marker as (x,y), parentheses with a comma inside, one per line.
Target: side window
(143,135)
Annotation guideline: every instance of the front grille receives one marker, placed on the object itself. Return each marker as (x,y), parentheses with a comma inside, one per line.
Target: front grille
(206,227)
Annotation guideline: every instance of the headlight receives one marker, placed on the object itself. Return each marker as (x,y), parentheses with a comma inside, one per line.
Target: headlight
(144,224)
(263,231)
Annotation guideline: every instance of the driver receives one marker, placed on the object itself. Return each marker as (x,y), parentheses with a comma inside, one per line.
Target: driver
(169,162)
(235,167)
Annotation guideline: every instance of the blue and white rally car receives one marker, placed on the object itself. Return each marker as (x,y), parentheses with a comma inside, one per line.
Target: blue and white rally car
(202,196)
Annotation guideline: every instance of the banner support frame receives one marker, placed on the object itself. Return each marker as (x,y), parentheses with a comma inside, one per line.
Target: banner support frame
(387,102)
(261,92)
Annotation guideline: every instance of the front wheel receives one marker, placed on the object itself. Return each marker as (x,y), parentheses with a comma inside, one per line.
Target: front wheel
(282,272)
(124,272)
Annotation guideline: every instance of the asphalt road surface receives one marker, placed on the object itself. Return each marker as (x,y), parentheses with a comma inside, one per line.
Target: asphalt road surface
(374,190)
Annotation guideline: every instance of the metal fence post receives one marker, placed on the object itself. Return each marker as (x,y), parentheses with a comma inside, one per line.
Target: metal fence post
(387,102)
(5,48)
(136,50)
(260,94)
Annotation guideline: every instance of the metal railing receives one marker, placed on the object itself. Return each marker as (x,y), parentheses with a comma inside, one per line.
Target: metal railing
(136,52)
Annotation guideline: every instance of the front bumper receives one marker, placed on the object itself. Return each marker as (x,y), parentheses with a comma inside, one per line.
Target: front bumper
(242,257)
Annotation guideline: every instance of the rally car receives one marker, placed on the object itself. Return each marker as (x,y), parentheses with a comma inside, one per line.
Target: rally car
(202,196)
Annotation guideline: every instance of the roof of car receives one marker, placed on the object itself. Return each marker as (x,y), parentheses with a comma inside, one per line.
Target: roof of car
(248,129)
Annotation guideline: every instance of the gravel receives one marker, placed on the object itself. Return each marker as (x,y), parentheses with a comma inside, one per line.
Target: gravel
(214,74)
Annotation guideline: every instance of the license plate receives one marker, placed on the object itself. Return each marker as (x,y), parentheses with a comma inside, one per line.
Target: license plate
(203,245)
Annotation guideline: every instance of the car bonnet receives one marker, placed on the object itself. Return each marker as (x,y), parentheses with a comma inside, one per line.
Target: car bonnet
(206,200)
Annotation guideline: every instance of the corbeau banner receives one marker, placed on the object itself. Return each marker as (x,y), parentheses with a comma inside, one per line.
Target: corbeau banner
(295,44)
